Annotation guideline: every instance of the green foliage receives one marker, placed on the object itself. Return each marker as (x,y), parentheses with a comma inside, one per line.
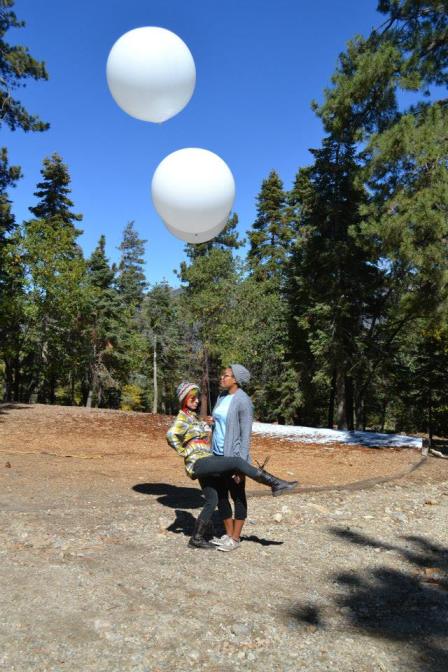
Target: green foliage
(53,193)
(270,234)
(340,310)
(131,398)
(165,347)
(16,65)
(131,280)
(10,266)
(206,301)
(408,52)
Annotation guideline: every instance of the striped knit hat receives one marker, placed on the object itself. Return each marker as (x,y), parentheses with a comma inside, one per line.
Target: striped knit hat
(184,388)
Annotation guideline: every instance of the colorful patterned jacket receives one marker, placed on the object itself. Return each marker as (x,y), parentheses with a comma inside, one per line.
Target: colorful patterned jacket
(190,438)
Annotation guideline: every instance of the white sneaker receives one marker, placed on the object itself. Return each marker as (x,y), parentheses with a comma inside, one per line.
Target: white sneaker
(218,541)
(229,545)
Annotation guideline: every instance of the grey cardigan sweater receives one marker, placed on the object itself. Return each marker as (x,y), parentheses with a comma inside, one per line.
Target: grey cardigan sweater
(238,425)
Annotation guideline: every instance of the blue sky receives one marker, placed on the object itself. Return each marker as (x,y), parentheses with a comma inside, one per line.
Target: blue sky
(259,64)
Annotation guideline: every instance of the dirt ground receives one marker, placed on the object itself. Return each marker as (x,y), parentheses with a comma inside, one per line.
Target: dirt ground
(348,574)
(119,443)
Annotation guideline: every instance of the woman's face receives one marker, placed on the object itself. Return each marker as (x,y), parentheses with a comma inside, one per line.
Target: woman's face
(227,379)
(192,400)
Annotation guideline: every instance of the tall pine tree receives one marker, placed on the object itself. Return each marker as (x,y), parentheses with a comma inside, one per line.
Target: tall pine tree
(56,278)
(209,280)
(131,280)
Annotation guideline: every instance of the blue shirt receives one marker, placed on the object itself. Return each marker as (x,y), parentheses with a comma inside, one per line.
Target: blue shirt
(219,428)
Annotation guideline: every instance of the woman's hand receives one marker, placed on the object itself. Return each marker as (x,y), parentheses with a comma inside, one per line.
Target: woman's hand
(209,420)
(237,478)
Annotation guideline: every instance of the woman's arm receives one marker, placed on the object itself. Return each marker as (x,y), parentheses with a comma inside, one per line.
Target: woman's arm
(176,435)
(246,414)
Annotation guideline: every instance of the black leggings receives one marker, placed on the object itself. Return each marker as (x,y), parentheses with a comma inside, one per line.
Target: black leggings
(215,466)
(210,472)
(237,492)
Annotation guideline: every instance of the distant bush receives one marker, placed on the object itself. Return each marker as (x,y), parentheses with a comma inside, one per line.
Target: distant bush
(132,398)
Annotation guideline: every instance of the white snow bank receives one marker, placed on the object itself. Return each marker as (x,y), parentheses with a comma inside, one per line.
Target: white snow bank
(315,435)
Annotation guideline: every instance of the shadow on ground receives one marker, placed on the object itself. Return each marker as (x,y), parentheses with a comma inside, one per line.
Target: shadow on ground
(409,607)
(7,407)
(173,496)
(180,497)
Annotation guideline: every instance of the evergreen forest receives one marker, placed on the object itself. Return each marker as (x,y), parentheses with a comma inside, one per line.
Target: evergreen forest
(336,301)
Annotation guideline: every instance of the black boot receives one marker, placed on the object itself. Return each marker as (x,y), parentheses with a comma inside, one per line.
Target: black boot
(277,486)
(209,530)
(197,539)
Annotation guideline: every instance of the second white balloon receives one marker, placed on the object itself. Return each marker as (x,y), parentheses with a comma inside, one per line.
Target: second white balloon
(193,191)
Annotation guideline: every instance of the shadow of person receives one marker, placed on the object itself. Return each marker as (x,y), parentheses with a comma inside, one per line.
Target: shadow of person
(172,496)
(262,542)
(184,524)
(181,497)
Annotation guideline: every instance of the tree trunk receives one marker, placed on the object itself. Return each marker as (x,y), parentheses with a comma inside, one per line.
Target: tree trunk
(430,428)
(89,398)
(93,389)
(52,389)
(340,402)
(330,417)
(16,384)
(72,388)
(348,402)
(383,414)
(204,385)
(7,395)
(154,377)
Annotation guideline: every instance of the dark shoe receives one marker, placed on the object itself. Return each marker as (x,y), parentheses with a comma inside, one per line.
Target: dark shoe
(197,539)
(277,486)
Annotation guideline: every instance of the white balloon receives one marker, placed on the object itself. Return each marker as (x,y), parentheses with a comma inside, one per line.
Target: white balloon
(151,73)
(193,190)
(197,237)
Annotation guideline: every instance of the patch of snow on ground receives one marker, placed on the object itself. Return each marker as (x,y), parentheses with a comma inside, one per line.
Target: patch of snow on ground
(315,435)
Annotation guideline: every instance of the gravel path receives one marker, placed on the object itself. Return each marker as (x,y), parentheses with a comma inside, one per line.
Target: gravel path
(100,578)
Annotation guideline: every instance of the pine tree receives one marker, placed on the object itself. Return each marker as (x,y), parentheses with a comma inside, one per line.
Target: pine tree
(131,276)
(333,285)
(9,175)
(207,299)
(270,235)
(407,52)
(160,323)
(56,279)
(16,65)
(11,277)
(53,192)
(104,320)
(404,153)
(270,243)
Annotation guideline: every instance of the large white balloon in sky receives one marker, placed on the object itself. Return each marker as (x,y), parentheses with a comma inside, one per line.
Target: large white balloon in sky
(193,191)
(151,73)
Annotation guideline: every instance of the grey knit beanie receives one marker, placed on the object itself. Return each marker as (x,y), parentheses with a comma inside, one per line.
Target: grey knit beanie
(241,374)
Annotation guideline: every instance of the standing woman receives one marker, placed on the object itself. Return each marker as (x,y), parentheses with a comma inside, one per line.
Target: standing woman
(189,436)
(232,427)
